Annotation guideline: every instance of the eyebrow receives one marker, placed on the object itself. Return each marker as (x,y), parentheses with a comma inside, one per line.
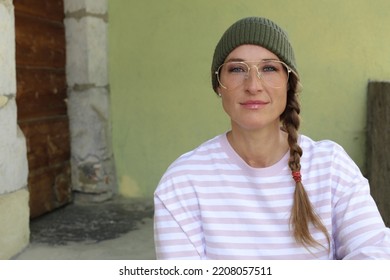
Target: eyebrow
(243,60)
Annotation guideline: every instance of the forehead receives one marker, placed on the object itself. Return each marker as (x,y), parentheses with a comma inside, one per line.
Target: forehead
(250,53)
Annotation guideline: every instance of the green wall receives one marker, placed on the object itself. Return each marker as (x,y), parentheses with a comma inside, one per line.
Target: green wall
(160,55)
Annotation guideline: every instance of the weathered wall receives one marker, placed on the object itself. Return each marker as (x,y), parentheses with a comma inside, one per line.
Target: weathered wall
(378,150)
(14,210)
(93,168)
(160,56)
(93,171)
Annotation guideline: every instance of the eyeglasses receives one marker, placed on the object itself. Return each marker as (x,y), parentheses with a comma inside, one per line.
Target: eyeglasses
(274,73)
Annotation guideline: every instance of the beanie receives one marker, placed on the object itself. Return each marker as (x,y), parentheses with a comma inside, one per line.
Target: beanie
(255,31)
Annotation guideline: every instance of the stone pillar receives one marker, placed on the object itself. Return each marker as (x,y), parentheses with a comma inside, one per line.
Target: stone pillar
(14,196)
(93,170)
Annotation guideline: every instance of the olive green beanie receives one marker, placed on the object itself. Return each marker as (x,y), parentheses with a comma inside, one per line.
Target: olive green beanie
(255,31)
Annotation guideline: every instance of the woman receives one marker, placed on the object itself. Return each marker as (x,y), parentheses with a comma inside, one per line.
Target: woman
(261,190)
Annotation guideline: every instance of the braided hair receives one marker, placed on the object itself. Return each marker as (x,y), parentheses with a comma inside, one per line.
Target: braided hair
(302,212)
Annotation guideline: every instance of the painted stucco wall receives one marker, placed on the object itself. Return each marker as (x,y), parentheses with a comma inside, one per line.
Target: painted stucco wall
(160,54)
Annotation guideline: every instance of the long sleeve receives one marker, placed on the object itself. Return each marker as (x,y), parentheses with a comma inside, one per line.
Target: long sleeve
(359,231)
(174,235)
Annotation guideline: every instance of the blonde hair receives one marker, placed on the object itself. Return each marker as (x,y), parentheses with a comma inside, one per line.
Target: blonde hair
(302,212)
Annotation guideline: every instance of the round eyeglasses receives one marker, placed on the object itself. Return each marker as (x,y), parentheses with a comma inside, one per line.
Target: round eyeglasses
(273,73)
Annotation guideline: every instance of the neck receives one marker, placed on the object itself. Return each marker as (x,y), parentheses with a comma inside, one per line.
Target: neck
(259,148)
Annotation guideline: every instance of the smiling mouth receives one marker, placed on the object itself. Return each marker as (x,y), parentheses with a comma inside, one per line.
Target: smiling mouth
(253,104)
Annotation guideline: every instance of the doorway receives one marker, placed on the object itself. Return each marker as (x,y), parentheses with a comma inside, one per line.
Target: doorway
(41,101)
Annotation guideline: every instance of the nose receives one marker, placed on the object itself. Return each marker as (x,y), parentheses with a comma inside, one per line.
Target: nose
(253,82)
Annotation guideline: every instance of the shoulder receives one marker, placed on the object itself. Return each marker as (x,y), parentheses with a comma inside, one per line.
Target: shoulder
(197,161)
(309,144)
(329,155)
(212,148)
(327,150)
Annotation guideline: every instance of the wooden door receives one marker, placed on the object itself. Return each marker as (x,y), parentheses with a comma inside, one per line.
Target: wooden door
(41,101)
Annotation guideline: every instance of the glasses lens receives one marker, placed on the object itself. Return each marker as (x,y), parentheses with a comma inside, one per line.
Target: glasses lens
(273,73)
(232,74)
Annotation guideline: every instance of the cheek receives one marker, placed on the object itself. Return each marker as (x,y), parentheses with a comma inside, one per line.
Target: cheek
(282,105)
(284,100)
(227,103)
(282,97)
(279,96)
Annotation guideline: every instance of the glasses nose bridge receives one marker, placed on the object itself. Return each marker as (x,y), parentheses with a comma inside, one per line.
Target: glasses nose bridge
(258,73)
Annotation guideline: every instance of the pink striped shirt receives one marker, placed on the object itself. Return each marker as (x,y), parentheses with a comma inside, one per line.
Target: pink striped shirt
(211,205)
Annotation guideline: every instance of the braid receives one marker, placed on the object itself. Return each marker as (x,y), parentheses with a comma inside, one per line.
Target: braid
(302,212)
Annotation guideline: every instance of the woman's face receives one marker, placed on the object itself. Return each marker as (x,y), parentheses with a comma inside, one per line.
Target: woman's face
(252,103)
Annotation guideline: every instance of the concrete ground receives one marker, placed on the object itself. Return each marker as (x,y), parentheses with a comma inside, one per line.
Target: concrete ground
(119,229)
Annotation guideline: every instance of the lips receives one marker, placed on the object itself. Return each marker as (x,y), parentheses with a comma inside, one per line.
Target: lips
(253,104)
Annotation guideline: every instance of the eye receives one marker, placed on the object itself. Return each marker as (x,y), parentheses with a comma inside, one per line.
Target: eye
(270,68)
(237,68)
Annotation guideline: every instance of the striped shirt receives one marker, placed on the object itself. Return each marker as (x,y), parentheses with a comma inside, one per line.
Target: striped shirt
(211,205)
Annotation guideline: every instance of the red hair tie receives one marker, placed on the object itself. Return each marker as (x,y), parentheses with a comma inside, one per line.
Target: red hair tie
(297,176)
